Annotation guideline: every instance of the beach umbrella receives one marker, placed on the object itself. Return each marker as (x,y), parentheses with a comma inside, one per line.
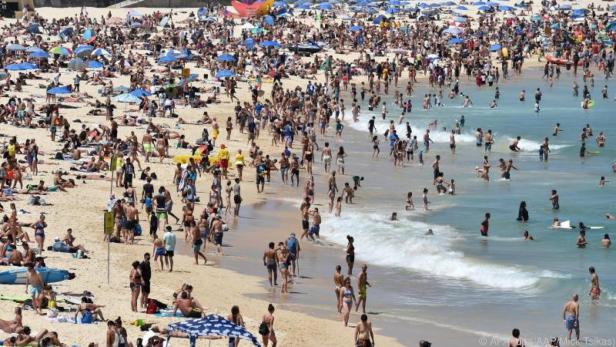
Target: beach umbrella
(355,28)
(39,54)
(212,325)
(88,35)
(484,8)
(100,51)
(33,49)
(455,41)
(378,19)
(227,58)
(185,54)
(479,3)
(495,47)
(249,43)
(224,73)
(279,4)
(505,8)
(59,90)
(303,6)
(269,20)
(449,3)
(462,8)
(13,47)
(202,12)
(83,50)
(167,58)
(393,10)
(20,67)
(326,6)
(93,64)
(59,50)
(127,98)
(140,93)
(270,44)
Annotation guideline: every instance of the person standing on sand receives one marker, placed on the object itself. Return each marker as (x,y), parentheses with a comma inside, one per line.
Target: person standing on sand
(294,249)
(269,261)
(266,328)
(364,337)
(338,283)
(595,289)
(305,212)
(35,284)
(135,283)
(146,274)
(362,284)
(350,254)
(169,243)
(571,316)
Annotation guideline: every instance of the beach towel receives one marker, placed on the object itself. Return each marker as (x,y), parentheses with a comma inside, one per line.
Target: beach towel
(168,313)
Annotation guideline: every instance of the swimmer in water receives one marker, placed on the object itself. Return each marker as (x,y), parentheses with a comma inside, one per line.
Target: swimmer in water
(514,145)
(556,130)
(556,223)
(409,202)
(581,240)
(602,181)
(606,242)
(394,217)
(595,289)
(485,225)
(523,95)
(528,236)
(429,232)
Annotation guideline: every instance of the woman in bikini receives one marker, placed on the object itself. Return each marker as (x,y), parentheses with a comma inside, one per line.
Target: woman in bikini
(135,285)
(347,298)
(266,329)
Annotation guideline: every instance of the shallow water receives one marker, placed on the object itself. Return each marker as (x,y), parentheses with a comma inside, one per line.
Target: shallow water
(456,280)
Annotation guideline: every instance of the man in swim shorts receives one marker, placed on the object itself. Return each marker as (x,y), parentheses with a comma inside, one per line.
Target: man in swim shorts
(35,284)
(571,316)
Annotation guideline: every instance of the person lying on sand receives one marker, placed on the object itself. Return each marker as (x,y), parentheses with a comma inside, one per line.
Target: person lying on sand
(11,326)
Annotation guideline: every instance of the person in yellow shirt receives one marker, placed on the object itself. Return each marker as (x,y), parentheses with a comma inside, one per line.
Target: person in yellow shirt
(239,163)
(223,159)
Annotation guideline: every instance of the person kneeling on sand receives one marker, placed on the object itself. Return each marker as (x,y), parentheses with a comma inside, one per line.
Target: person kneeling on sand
(189,307)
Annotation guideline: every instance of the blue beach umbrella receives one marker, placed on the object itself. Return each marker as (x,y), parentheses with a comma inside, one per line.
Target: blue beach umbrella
(505,8)
(455,41)
(21,67)
(326,6)
(378,19)
(249,43)
(39,54)
(88,34)
(93,64)
(167,59)
(269,20)
(303,6)
(83,50)
(393,10)
(33,49)
(34,28)
(227,58)
(224,74)
(59,90)
(100,51)
(66,33)
(212,325)
(462,8)
(495,47)
(484,8)
(13,47)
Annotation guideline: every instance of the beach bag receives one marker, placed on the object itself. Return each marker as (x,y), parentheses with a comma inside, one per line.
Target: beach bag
(264,329)
(152,307)
(87,317)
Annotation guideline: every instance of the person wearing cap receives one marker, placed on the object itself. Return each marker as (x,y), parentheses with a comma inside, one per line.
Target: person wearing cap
(294,249)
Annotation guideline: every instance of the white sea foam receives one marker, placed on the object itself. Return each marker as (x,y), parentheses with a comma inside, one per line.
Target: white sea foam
(437,136)
(527,145)
(403,244)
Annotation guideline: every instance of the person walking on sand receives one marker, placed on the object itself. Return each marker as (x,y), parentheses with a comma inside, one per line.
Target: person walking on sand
(347,298)
(595,290)
(169,242)
(571,316)
(350,254)
(338,283)
(269,261)
(362,287)
(364,337)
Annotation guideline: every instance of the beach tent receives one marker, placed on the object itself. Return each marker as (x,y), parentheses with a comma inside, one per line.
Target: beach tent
(13,47)
(59,90)
(225,58)
(76,64)
(34,28)
(213,326)
(224,73)
(20,67)
(127,98)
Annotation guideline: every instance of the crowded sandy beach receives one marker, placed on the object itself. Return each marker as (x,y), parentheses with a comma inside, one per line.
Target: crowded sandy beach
(273,173)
